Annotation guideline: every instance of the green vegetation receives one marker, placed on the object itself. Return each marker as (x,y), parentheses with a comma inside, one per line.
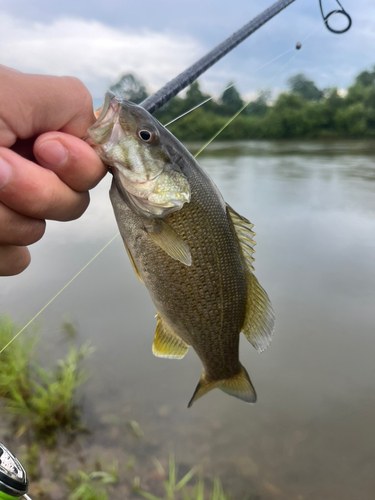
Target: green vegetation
(39,400)
(92,486)
(304,111)
(41,405)
(175,490)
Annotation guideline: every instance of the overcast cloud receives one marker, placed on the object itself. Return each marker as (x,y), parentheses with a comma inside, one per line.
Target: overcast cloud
(96,53)
(98,41)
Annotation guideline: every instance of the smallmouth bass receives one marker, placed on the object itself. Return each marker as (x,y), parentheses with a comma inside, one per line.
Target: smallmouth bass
(191,250)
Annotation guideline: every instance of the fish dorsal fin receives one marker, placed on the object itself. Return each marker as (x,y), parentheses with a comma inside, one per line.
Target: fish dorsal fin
(166,343)
(259,320)
(163,235)
(245,234)
(133,263)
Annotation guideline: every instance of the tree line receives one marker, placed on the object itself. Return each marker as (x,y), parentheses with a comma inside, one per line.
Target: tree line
(303,111)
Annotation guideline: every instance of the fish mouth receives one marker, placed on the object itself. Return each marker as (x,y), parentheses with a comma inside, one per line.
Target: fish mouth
(110,104)
(124,168)
(146,181)
(100,133)
(107,137)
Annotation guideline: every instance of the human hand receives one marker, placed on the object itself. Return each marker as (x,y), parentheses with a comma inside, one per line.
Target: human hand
(46,170)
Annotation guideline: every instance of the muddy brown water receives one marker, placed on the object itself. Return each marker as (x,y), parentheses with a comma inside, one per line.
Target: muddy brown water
(311,435)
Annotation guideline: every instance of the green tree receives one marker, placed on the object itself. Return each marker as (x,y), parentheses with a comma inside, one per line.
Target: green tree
(194,96)
(304,111)
(306,88)
(129,88)
(351,120)
(366,78)
(177,106)
(356,93)
(230,100)
(329,106)
(259,106)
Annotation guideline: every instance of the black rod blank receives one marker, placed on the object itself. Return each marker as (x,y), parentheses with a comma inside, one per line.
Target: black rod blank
(172,88)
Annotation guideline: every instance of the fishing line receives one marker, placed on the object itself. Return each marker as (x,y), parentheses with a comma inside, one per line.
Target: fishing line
(238,112)
(340,11)
(251,100)
(251,73)
(230,86)
(57,294)
(109,242)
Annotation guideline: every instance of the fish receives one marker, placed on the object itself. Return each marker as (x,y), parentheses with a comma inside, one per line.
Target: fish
(192,251)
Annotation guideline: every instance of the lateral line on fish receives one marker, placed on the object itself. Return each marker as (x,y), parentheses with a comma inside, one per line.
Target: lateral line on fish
(197,154)
(57,294)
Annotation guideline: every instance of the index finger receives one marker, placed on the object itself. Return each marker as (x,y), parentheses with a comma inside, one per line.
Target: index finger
(33,104)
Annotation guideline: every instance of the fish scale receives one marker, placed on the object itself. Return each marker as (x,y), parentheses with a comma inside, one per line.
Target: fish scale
(191,250)
(212,288)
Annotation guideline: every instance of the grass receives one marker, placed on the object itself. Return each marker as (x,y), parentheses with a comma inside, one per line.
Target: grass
(93,485)
(97,485)
(182,489)
(42,402)
(37,399)
(14,362)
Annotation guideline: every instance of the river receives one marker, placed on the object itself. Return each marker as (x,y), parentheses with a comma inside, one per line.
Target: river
(311,434)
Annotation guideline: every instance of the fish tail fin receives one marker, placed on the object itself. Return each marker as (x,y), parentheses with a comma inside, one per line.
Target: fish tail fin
(204,386)
(239,386)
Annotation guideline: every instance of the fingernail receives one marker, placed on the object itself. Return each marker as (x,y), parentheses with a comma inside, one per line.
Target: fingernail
(53,153)
(5,172)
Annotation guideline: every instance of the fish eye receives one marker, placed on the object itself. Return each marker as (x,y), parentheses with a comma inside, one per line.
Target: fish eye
(146,135)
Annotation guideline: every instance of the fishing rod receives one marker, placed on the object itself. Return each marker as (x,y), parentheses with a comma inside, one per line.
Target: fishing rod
(173,87)
(13,477)
(180,82)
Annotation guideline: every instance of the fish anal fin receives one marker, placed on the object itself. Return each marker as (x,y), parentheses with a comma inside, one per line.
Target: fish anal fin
(134,266)
(163,235)
(239,386)
(245,235)
(259,321)
(166,343)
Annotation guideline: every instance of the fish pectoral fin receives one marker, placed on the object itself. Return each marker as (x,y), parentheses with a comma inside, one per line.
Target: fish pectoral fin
(239,386)
(163,235)
(259,321)
(134,266)
(166,343)
(245,235)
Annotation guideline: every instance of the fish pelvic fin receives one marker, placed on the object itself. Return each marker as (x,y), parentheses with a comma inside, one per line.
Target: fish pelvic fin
(134,266)
(239,386)
(259,320)
(166,343)
(163,235)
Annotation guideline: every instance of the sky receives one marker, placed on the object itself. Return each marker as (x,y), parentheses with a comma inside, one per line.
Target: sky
(99,40)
